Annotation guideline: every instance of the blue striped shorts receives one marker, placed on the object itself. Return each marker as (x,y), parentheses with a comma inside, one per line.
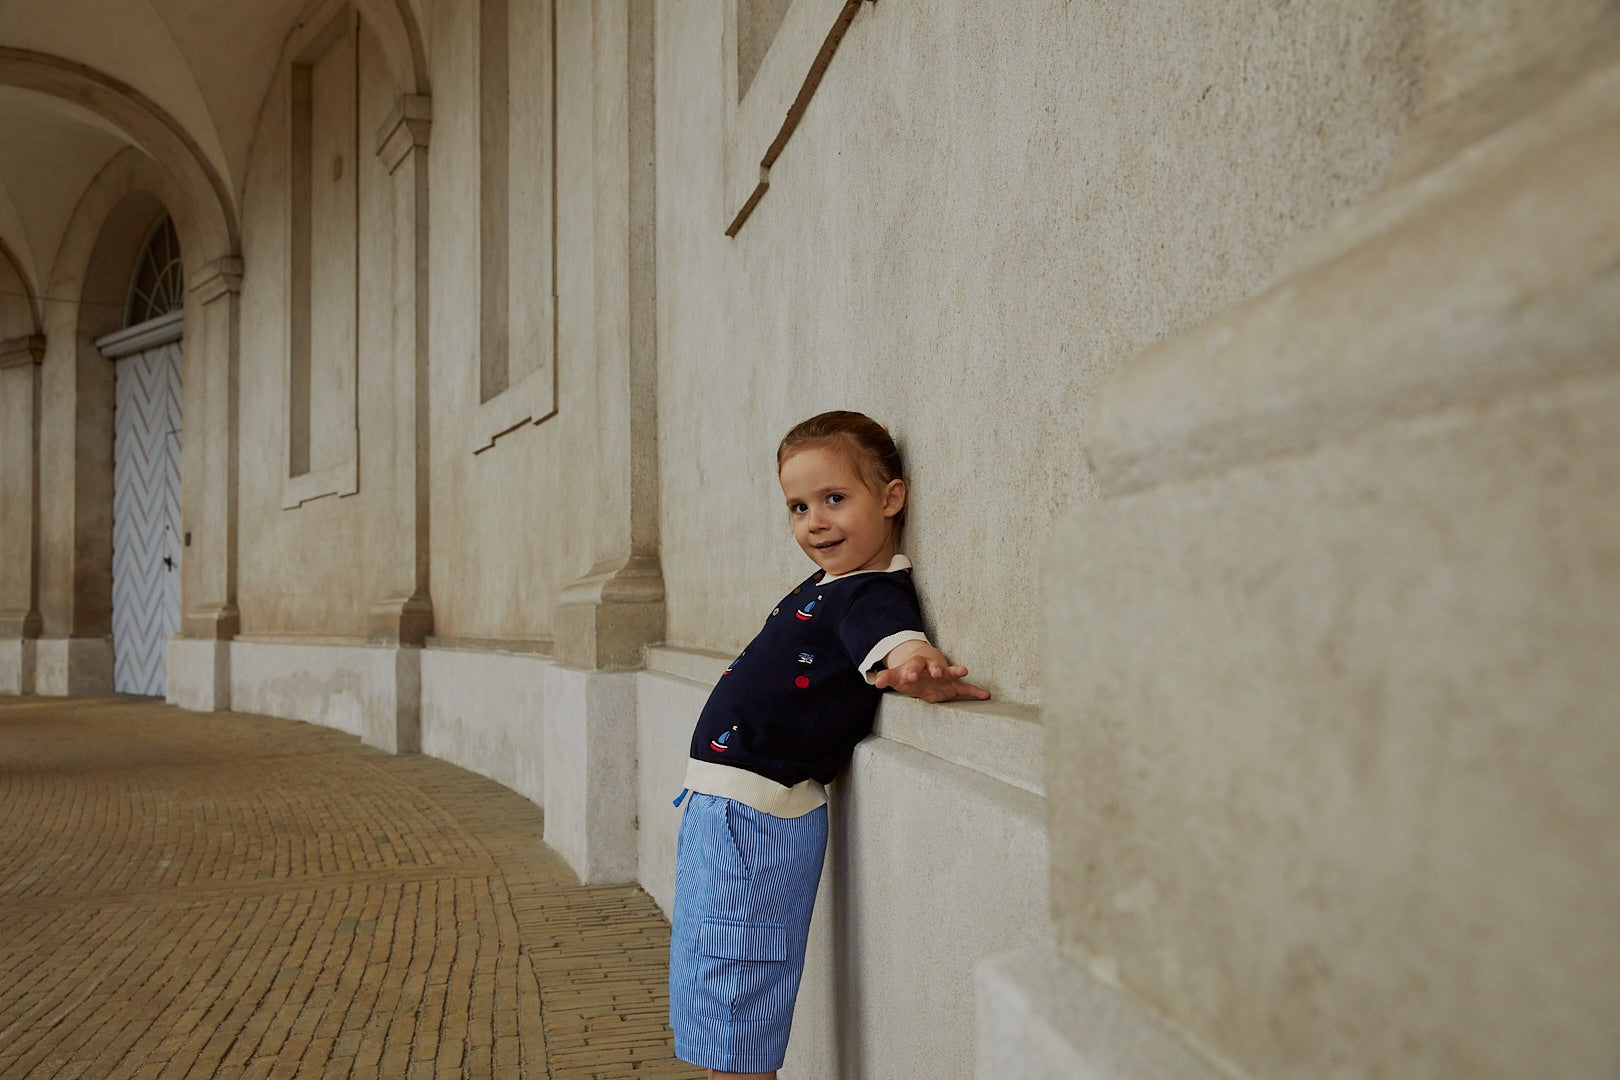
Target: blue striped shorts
(745,884)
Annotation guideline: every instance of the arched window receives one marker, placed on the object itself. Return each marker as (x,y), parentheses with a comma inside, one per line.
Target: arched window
(158,286)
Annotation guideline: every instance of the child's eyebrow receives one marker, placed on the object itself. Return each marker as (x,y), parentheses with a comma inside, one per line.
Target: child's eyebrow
(828,490)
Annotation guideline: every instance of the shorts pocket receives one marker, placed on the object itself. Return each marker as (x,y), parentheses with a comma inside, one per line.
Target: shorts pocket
(742,969)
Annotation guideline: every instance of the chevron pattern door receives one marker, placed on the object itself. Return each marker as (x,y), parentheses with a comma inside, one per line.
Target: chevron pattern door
(146,518)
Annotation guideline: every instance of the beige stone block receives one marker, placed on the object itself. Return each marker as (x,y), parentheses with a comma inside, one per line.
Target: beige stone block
(667,707)
(394,701)
(589,740)
(16,665)
(369,691)
(484,710)
(198,675)
(1043,1017)
(605,620)
(73,667)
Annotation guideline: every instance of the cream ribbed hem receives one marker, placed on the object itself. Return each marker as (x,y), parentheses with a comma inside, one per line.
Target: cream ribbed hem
(752,789)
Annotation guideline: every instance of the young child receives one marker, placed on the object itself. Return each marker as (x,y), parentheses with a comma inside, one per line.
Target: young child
(781,722)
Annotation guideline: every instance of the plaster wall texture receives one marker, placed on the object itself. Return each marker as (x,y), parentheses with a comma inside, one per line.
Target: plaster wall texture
(667,706)
(17,665)
(73,667)
(1383,704)
(198,674)
(588,744)
(75,479)
(931,867)
(355,688)
(512,524)
(484,711)
(317,568)
(1334,793)
(985,209)
(1055,1021)
(17,469)
(16,300)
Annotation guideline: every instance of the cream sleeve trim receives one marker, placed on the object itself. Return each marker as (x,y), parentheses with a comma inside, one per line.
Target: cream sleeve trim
(884,648)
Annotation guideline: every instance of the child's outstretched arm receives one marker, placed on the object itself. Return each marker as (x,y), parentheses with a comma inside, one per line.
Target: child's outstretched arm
(917,669)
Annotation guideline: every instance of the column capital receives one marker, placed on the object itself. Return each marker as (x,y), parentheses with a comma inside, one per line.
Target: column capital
(406,129)
(26,351)
(606,618)
(400,620)
(220,277)
(212,622)
(21,624)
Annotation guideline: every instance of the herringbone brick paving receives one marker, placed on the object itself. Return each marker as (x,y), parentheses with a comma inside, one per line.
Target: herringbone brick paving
(189,895)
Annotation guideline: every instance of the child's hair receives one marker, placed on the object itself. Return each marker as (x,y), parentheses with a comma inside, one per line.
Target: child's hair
(863,440)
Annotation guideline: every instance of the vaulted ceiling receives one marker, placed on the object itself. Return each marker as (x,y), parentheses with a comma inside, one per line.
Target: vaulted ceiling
(81,80)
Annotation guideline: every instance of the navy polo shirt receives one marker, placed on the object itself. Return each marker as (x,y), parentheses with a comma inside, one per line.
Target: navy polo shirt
(795,702)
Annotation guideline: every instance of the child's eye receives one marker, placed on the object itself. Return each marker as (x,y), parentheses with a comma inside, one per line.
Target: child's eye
(797,508)
(834,499)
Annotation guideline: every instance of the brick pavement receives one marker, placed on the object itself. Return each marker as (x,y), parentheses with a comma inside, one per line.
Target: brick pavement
(189,895)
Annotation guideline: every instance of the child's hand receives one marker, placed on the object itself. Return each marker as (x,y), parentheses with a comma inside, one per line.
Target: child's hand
(919,670)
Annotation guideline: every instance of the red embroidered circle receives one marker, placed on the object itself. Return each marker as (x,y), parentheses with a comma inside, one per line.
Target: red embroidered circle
(802,681)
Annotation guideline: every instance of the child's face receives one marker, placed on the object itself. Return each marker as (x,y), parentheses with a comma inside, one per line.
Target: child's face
(842,524)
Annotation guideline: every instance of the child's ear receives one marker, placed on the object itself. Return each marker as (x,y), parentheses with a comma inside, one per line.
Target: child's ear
(894,497)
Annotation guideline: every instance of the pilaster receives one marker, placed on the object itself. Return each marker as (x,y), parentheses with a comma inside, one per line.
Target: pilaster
(604,620)
(404,616)
(200,661)
(20,621)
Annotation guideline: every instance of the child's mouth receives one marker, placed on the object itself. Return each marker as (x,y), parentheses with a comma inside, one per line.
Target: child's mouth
(829,545)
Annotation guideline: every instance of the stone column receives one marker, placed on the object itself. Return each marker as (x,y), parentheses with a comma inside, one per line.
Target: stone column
(605,619)
(1331,679)
(20,621)
(199,660)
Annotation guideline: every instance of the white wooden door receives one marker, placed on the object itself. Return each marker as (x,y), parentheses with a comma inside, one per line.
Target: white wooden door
(146,517)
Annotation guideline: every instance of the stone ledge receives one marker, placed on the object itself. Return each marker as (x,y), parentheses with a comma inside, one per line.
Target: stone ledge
(1053,1020)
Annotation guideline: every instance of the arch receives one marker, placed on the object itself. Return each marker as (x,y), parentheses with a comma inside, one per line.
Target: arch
(205,195)
(91,277)
(393,22)
(129,172)
(396,25)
